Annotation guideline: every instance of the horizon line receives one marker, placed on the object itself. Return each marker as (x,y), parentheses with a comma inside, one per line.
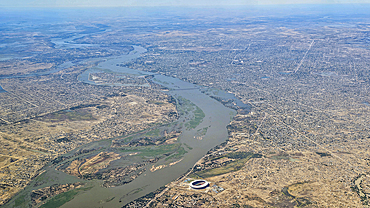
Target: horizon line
(194,6)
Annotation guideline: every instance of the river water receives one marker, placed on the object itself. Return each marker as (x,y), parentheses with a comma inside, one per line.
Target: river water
(217,117)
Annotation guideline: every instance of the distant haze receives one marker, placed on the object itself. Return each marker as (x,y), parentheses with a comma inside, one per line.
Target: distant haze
(128,3)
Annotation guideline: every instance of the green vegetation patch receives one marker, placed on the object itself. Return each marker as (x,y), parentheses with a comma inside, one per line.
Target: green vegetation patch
(43,178)
(128,139)
(19,201)
(63,198)
(202,132)
(238,155)
(283,156)
(242,155)
(186,145)
(300,201)
(71,115)
(185,106)
(153,151)
(60,199)
(280,157)
(357,187)
(107,200)
(323,154)
(241,159)
(198,118)
(180,152)
(153,133)
(231,167)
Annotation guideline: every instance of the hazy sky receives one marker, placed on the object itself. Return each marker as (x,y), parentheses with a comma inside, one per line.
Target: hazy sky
(125,3)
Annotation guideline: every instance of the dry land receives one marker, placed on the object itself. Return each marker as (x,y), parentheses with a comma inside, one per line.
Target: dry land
(302,142)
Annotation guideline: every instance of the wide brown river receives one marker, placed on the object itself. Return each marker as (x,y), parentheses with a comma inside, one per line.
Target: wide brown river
(217,117)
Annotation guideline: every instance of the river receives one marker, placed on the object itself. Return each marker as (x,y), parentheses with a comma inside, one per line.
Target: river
(217,117)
